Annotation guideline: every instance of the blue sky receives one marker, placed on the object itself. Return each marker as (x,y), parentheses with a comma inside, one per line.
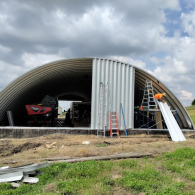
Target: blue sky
(156,35)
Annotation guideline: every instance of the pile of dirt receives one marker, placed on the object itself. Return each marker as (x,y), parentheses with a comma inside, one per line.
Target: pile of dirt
(7,150)
(25,146)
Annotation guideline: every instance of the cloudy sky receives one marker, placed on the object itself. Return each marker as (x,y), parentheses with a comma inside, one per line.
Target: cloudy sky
(156,35)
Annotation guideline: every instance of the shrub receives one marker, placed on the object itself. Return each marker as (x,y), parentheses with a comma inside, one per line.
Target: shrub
(193,102)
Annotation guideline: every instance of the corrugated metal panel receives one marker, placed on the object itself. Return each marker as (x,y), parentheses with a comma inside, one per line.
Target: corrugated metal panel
(171,123)
(16,176)
(120,78)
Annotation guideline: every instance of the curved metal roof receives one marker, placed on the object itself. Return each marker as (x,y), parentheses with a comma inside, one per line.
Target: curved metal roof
(72,80)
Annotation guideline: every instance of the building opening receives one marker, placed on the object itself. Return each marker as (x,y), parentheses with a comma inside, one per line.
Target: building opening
(74,113)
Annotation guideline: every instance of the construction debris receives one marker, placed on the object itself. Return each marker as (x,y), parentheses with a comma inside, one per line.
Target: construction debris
(21,174)
(30,180)
(86,142)
(15,185)
(172,125)
(6,167)
(16,176)
(50,146)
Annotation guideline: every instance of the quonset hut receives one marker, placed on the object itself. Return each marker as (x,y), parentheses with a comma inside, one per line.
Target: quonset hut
(80,80)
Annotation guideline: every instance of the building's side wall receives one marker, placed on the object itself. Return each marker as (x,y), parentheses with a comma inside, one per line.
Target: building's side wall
(120,78)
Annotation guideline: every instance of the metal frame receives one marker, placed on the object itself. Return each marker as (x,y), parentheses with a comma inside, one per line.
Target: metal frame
(150,111)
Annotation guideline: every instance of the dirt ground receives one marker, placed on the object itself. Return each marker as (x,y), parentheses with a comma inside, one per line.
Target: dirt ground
(15,152)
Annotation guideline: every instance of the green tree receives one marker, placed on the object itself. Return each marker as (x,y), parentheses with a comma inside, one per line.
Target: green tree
(193,102)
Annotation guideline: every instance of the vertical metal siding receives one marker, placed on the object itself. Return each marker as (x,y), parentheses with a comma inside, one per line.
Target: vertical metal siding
(120,78)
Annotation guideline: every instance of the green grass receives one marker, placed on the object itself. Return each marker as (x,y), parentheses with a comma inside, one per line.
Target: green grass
(191,112)
(190,108)
(102,145)
(172,174)
(193,118)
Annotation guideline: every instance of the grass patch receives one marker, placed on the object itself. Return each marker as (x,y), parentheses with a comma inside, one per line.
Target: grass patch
(193,118)
(142,180)
(102,145)
(180,154)
(5,187)
(126,164)
(190,108)
(191,112)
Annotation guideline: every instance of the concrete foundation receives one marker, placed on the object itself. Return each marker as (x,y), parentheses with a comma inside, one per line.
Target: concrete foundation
(28,132)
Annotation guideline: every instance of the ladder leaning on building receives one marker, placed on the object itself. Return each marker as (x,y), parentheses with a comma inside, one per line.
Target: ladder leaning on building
(103,96)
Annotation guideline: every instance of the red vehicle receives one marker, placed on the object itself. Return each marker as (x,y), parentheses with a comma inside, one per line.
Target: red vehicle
(36,109)
(42,114)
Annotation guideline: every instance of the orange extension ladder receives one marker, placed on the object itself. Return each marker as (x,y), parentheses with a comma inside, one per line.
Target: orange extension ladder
(113,124)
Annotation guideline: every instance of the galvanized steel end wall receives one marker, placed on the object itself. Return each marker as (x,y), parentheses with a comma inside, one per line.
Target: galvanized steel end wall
(120,79)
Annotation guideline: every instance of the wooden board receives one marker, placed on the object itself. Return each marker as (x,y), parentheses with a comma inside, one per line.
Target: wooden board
(108,157)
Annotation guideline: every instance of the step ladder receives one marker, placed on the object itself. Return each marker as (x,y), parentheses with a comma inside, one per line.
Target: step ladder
(113,124)
(148,104)
(148,97)
(102,110)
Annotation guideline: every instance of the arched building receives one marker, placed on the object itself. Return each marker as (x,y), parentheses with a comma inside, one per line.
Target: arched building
(79,80)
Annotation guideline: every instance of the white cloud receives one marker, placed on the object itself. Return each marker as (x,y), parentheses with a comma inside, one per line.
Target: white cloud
(34,60)
(170,70)
(186,95)
(131,61)
(189,23)
(9,72)
(116,26)
(177,69)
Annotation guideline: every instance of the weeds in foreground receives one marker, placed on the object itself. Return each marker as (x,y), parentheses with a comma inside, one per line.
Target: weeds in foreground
(102,145)
(172,174)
